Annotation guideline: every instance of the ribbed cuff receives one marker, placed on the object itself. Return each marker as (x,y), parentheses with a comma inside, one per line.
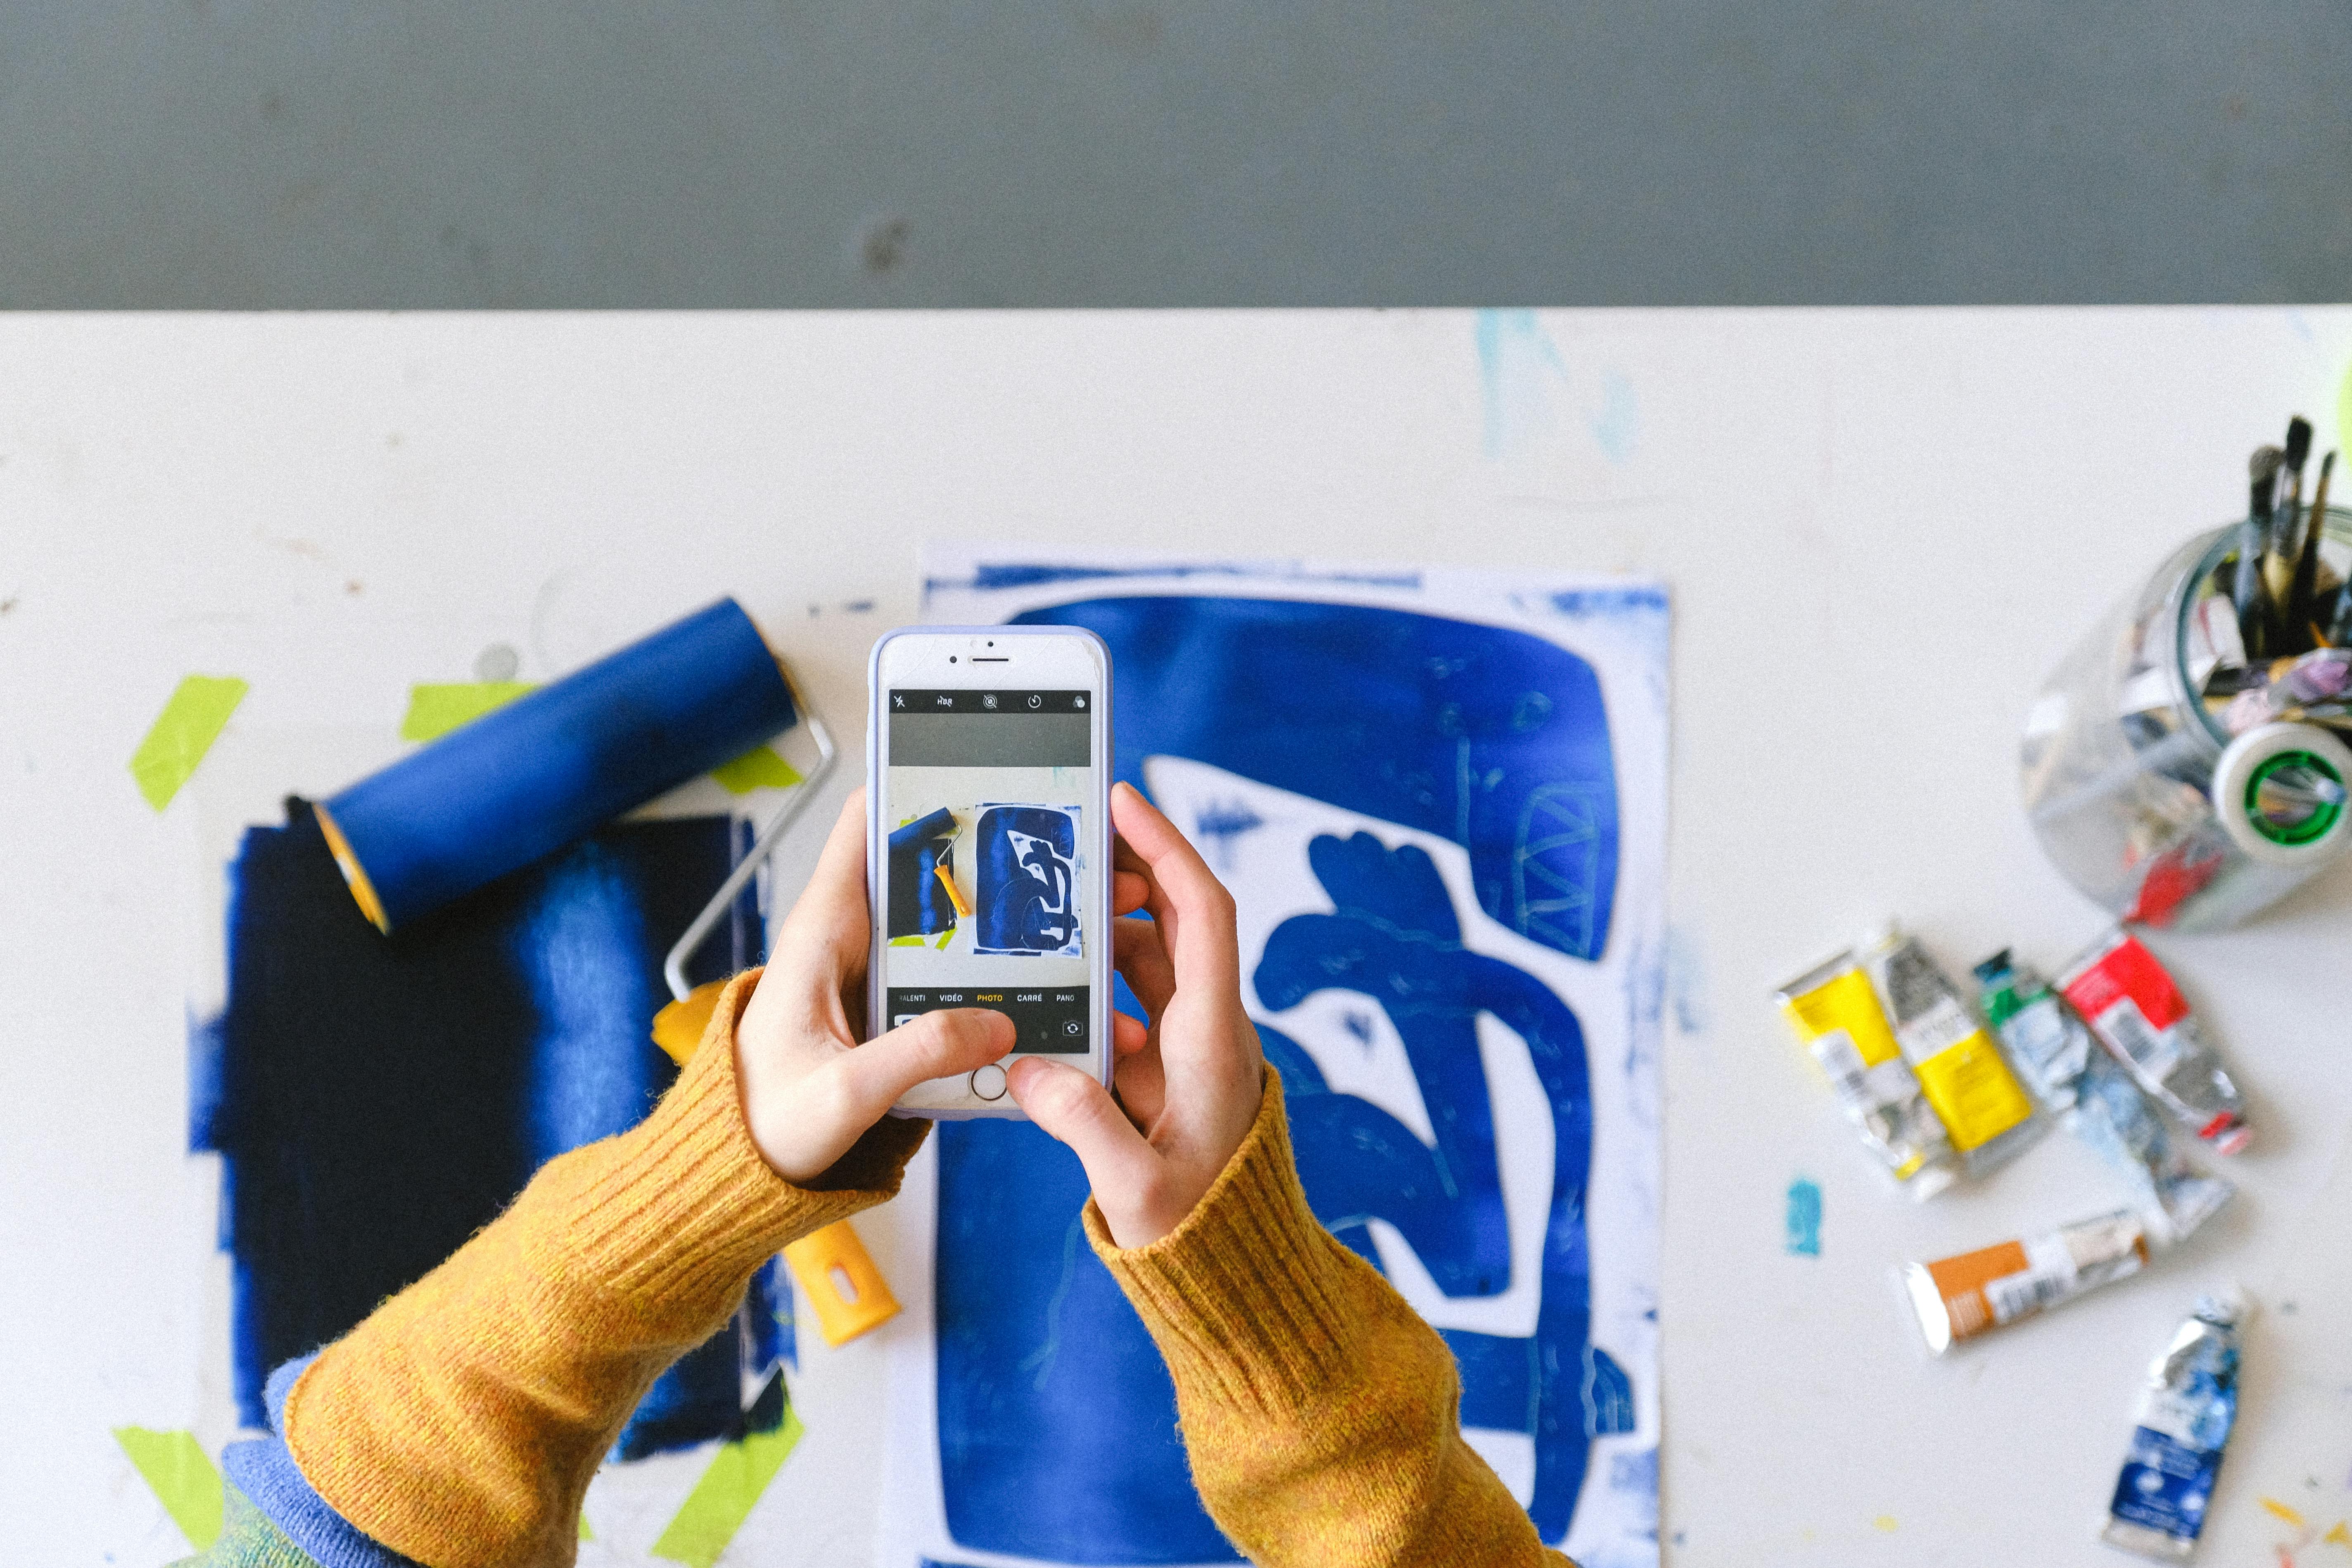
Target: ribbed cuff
(1246,1298)
(681,1209)
(460,1424)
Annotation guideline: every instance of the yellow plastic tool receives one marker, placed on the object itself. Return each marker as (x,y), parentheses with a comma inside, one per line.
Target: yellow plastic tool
(849,1294)
(847,1290)
(679,1027)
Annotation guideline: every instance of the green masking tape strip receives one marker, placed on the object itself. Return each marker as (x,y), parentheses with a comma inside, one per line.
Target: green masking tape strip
(191,721)
(721,1500)
(758,768)
(183,1480)
(435,709)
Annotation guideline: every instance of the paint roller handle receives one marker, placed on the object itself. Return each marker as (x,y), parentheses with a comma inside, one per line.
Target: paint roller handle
(674,966)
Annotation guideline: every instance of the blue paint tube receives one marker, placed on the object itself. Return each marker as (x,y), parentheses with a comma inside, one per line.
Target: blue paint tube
(2186,1409)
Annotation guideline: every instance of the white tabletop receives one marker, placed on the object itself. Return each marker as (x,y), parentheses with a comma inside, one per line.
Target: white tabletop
(1881,528)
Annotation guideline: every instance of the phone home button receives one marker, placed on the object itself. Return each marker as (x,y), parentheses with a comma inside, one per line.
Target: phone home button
(988,1082)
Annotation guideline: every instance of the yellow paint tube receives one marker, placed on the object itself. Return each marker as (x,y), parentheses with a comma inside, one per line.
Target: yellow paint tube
(1985,1109)
(1837,1018)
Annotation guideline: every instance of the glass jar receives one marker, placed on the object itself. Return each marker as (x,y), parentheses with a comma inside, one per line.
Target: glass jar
(2135,782)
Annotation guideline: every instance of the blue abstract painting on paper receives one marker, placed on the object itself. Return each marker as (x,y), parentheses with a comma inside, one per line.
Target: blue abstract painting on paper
(377,1100)
(1482,736)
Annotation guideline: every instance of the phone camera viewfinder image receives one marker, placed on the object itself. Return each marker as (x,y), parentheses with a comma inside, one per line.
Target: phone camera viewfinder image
(987,797)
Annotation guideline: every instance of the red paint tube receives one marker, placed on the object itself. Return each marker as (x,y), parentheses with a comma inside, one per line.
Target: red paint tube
(2140,1015)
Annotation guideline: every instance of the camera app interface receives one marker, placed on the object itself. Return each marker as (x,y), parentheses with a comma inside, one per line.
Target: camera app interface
(987,792)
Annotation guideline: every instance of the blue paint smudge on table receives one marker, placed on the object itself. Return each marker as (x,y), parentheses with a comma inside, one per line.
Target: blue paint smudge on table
(1804,1218)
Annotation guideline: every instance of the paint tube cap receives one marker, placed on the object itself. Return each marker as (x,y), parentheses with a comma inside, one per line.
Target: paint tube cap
(1994,968)
(2228,1307)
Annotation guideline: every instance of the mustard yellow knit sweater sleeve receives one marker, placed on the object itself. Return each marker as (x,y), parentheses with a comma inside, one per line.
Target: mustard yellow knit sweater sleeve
(459,1425)
(1320,1413)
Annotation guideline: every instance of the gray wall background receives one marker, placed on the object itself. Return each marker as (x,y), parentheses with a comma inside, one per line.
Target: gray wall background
(176,153)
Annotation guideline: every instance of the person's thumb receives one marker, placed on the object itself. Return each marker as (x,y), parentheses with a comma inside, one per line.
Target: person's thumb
(1124,1170)
(941,1044)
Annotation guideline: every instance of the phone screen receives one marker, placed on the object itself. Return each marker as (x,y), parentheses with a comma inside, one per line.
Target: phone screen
(986,880)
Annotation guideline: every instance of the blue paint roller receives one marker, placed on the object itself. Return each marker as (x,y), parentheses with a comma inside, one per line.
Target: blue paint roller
(529,778)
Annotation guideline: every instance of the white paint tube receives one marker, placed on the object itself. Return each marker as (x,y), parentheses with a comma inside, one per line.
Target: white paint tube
(2125,1129)
(2052,1051)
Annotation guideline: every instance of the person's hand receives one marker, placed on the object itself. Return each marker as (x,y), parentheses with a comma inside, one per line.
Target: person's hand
(1188,1086)
(810,1089)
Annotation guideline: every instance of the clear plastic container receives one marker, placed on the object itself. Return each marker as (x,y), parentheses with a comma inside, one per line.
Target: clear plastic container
(2137,788)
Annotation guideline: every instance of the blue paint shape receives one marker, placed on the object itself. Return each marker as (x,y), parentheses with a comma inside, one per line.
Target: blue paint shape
(1492,738)
(771,1336)
(377,1100)
(1395,939)
(1804,1218)
(1025,886)
(1609,602)
(920,906)
(1608,1396)
(1220,823)
(1057,1424)
(520,783)
(1685,980)
(1057,1419)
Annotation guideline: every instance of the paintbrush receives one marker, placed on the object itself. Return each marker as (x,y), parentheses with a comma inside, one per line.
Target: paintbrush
(2278,563)
(2305,589)
(2257,617)
(2335,630)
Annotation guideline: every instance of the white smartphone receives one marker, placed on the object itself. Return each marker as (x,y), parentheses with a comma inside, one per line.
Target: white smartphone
(988,844)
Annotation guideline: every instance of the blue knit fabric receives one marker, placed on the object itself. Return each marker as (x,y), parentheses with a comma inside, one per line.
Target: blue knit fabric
(266,1472)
